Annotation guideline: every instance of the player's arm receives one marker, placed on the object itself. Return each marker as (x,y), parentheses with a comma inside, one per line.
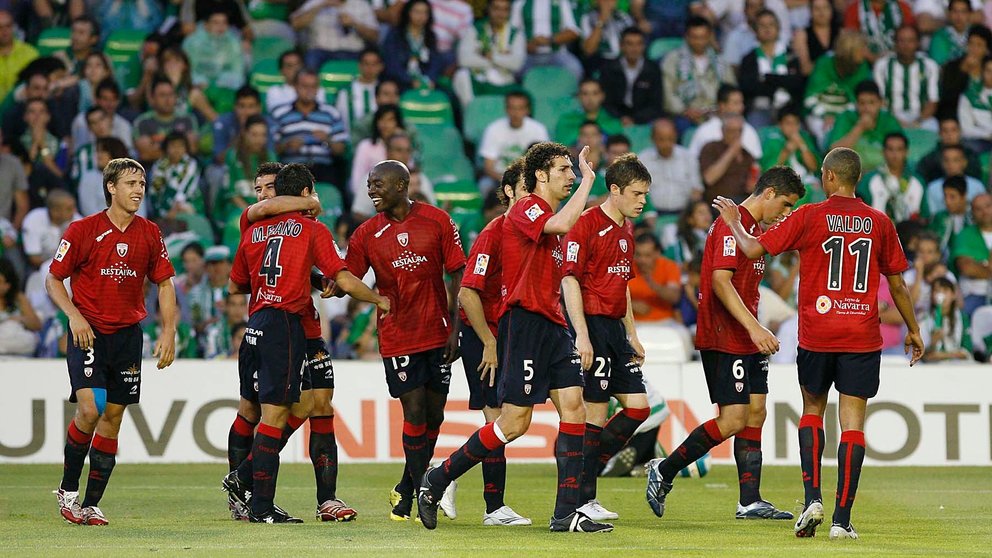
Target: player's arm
(282,204)
(356,288)
(472,305)
(576,314)
(236,288)
(628,324)
(562,221)
(82,333)
(451,351)
(165,347)
(724,289)
(732,216)
(904,303)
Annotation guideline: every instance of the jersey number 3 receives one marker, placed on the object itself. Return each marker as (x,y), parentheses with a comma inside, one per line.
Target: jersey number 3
(861,249)
(270,268)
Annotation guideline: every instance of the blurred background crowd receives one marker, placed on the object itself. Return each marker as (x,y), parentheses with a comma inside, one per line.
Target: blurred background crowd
(709,93)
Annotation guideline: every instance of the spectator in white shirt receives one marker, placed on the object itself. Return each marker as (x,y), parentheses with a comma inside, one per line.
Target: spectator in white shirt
(550,28)
(43,227)
(506,139)
(729,100)
(675,180)
(290,62)
(338,29)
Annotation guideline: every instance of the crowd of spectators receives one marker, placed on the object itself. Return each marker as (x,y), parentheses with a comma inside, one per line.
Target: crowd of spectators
(709,93)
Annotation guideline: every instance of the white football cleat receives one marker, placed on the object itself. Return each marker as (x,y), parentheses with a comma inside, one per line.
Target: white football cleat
(596,512)
(448,501)
(839,532)
(505,516)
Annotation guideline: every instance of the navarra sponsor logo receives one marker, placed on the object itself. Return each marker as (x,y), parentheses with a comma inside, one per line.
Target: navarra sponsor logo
(729,246)
(572,251)
(63,250)
(289,227)
(481,264)
(534,212)
(408,260)
(849,224)
(825,304)
(266,296)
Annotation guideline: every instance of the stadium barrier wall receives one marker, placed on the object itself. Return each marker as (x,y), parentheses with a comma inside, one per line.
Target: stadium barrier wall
(925,415)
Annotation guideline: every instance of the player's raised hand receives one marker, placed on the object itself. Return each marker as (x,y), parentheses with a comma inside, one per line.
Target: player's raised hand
(82,333)
(584,167)
(765,340)
(584,347)
(487,367)
(727,208)
(165,349)
(914,343)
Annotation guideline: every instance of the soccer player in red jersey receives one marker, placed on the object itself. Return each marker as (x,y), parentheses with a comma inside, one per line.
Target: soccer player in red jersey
(734,349)
(317,389)
(536,351)
(844,247)
(273,263)
(410,246)
(107,257)
(599,252)
(480,296)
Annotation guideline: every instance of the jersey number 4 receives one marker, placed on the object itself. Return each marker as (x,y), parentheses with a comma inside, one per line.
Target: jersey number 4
(861,249)
(270,268)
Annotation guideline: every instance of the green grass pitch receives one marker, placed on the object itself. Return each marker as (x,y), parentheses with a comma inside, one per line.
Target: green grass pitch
(180,510)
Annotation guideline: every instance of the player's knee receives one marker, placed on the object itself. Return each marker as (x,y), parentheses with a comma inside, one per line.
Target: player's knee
(322,407)
(86,415)
(757,416)
(250,411)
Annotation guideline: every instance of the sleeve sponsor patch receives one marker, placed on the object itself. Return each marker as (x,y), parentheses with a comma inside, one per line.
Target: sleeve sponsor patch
(63,250)
(481,264)
(572,252)
(729,246)
(534,212)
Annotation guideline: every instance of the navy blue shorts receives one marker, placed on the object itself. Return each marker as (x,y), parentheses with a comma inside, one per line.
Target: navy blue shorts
(274,362)
(406,373)
(732,378)
(481,394)
(113,363)
(536,356)
(320,370)
(614,369)
(854,374)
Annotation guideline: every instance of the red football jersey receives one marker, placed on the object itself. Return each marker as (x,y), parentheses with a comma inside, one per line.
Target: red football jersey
(484,272)
(410,258)
(275,257)
(311,320)
(107,268)
(844,247)
(716,327)
(599,253)
(532,260)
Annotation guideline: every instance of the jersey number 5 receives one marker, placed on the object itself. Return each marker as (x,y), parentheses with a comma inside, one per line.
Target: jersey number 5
(861,248)
(270,268)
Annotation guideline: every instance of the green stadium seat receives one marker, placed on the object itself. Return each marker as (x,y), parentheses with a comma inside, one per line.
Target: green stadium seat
(450,169)
(660,47)
(481,112)
(330,200)
(548,110)
(544,82)
(199,225)
(52,40)
(123,48)
(461,193)
(269,48)
(426,106)
(921,142)
(440,141)
(265,74)
(983,159)
(639,135)
(337,74)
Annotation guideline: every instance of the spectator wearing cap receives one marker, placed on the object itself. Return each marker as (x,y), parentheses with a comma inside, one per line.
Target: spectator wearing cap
(865,128)
(14,54)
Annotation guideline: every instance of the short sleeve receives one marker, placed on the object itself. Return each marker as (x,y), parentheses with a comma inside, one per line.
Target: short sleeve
(530,217)
(576,248)
(787,234)
(451,244)
(239,268)
(244,223)
(159,266)
(667,272)
(724,255)
(69,253)
(357,259)
(480,260)
(892,259)
(325,255)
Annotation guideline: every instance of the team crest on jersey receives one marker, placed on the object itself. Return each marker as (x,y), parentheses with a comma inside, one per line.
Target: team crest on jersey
(63,250)
(88,372)
(534,212)
(402,376)
(823,304)
(122,249)
(739,386)
(623,245)
(572,252)
(481,264)
(729,246)
(403,238)
(527,389)
(604,384)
